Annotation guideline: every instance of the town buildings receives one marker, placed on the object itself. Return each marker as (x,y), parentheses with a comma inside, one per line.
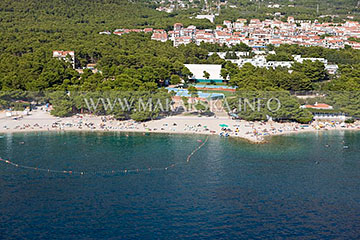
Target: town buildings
(258,33)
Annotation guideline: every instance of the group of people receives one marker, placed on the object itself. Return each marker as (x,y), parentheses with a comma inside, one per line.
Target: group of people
(254,131)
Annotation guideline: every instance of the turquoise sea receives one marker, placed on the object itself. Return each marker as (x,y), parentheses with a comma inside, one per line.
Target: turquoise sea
(297,186)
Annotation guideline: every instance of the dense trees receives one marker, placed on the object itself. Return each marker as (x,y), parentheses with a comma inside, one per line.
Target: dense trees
(242,47)
(340,56)
(301,77)
(261,105)
(348,80)
(132,65)
(315,71)
(300,9)
(137,105)
(345,101)
(206,75)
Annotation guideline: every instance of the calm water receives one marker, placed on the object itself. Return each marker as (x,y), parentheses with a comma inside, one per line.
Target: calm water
(230,189)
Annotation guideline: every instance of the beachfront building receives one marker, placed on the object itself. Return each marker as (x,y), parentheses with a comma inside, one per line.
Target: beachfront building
(206,73)
(67,56)
(325,112)
(338,117)
(319,106)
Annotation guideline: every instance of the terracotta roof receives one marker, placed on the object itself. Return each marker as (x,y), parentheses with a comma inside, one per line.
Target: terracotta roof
(319,105)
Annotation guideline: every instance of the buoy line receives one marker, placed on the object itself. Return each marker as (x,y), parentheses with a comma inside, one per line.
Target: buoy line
(137,170)
(196,149)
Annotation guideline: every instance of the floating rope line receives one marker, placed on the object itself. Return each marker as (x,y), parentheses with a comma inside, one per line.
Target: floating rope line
(196,149)
(137,170)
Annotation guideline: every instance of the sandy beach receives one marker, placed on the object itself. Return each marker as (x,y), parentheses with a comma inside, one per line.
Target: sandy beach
(255,132)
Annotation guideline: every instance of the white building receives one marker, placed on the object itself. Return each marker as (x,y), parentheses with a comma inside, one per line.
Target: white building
(198,72)
(105,33)
(332,68)
(259,60)
(300,59)
(223,54)
(228,24)
(67,56)
(211,18)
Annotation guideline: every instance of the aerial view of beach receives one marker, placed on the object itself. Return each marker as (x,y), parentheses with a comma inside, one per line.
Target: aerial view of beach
(179,119)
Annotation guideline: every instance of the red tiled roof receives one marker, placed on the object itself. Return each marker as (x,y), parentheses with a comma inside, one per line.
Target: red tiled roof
(319,105)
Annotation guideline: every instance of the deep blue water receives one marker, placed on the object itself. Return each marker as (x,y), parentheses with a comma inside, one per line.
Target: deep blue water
(292,187)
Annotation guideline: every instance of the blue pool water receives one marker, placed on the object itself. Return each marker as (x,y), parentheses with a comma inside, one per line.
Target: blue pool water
(293,187)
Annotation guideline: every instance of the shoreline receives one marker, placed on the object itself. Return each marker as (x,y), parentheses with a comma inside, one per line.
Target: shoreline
(252,132)
(265,139)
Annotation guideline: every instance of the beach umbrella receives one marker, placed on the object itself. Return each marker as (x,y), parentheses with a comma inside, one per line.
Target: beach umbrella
(223,125)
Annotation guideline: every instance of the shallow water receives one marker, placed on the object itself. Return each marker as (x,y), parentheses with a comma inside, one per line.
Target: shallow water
(292,187)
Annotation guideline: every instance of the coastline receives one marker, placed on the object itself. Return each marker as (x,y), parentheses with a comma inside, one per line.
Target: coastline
(252,132)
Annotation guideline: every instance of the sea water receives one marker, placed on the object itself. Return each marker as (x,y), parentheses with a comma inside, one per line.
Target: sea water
(295,186)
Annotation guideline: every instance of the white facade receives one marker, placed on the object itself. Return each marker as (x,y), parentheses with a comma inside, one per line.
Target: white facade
(67,56)
(211,18)
(299,59)
(198,70)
